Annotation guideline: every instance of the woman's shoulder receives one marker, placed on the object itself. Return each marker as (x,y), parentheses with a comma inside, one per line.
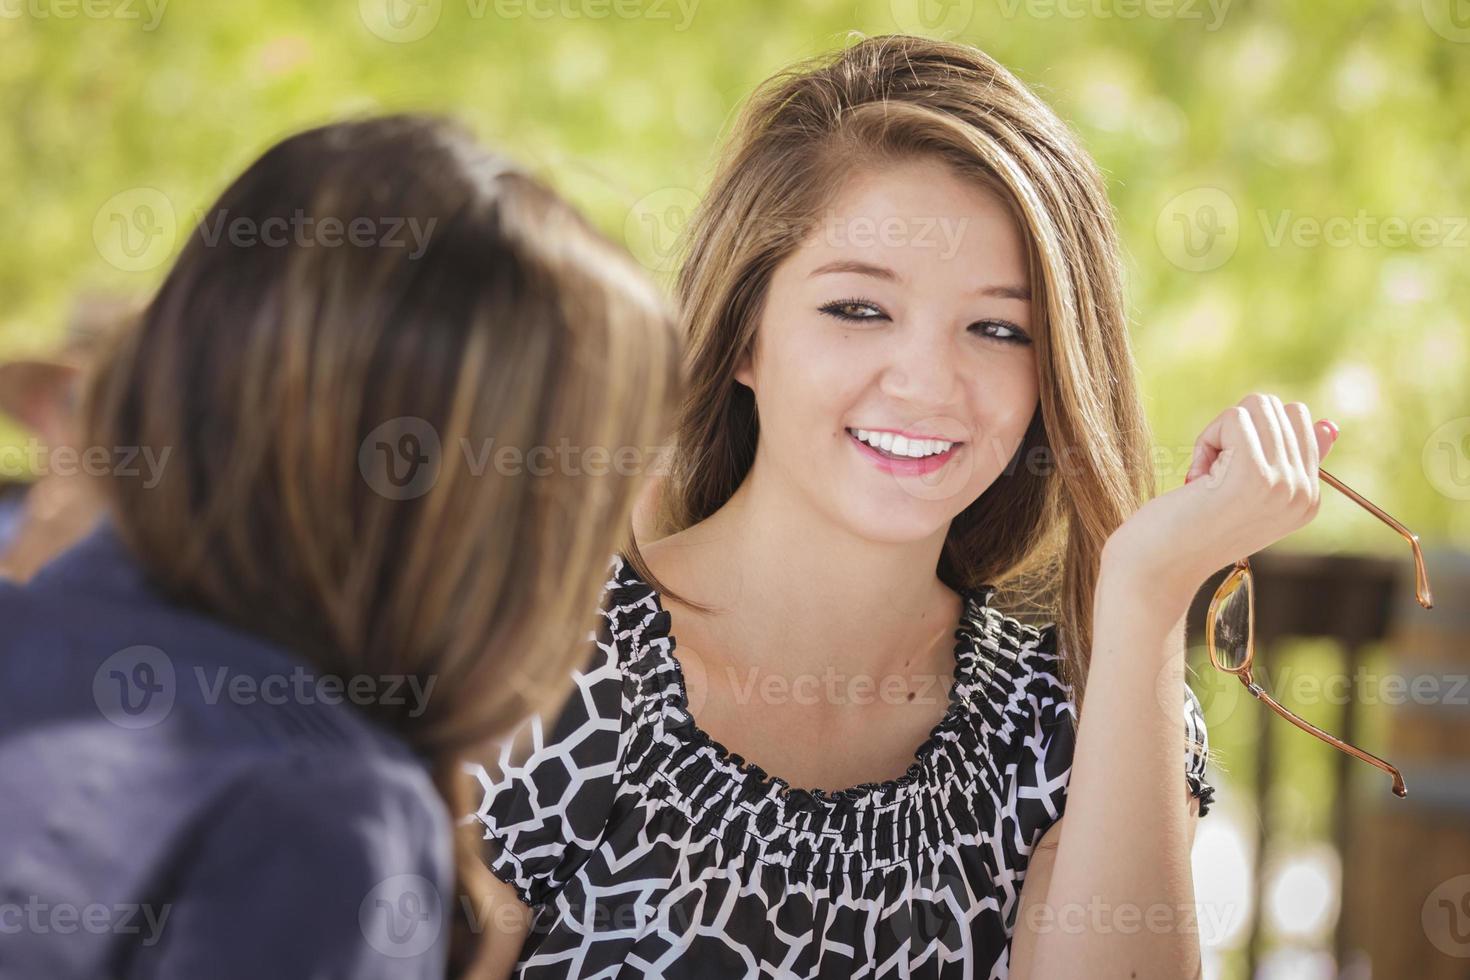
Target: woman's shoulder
(1011,670)
(545,791)
(163,717)
(627,601)
(1020,690)
(206,796)
(1006,644)
(375,823)
(599,694)
(634,634)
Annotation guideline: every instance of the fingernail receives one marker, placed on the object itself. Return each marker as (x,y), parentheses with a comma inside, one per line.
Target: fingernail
(1332,428)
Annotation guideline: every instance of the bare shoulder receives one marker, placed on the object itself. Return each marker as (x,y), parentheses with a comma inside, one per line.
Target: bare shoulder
(689,564)
(668,557)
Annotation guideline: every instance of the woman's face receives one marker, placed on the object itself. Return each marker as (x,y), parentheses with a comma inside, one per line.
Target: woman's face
(904,320)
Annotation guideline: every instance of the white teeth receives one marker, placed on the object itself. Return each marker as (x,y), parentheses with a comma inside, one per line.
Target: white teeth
(902,445)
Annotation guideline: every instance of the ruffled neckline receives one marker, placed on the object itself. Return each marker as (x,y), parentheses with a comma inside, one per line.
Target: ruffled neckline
(655,645)
(950,792)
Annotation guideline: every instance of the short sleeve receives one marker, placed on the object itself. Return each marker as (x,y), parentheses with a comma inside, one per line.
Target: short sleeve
(1045,760)
(545,808)
(1196,751)
(1046,724)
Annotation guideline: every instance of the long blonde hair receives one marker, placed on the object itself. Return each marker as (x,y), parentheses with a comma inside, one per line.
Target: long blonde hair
(1038,531)
(276,373)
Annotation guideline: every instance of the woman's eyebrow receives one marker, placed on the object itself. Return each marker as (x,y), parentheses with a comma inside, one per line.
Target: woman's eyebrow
(861,268)
(889,275)
(1006,292)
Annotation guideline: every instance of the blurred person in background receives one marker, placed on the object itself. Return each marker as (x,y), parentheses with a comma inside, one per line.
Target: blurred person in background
(233,717)
(814,744)
(42,516)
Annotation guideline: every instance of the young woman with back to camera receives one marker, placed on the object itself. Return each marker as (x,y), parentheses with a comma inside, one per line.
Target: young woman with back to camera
(910,385)
(241,704)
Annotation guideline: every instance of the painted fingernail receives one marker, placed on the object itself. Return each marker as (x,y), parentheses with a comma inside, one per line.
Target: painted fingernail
(1332,427)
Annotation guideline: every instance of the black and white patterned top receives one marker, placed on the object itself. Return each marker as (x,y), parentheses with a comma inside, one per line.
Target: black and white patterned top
(649,850)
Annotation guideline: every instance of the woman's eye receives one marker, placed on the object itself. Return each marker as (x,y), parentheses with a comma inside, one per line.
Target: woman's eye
(1002,331)
(853,309)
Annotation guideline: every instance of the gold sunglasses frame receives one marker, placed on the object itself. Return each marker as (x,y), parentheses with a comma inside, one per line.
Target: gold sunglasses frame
(1240,576)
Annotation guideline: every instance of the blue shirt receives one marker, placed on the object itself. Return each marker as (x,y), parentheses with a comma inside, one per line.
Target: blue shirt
(179,798)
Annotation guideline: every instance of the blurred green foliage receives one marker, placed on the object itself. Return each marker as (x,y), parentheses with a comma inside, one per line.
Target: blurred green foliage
(1300,113)
(1312,118)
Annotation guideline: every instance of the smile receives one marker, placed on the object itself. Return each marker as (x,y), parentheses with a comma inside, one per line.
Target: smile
(905,454)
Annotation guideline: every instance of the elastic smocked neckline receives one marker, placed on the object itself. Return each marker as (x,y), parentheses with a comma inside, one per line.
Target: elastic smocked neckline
(677,760)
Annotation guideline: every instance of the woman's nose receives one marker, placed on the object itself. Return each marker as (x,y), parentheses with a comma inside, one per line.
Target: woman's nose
(922,369)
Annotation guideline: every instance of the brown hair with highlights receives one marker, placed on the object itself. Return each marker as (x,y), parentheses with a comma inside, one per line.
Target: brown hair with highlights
(276,371)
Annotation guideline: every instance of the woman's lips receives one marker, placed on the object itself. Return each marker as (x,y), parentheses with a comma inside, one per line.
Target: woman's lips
(905,465)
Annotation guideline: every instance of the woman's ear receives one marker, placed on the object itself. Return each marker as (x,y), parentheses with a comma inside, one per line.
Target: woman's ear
(744,371)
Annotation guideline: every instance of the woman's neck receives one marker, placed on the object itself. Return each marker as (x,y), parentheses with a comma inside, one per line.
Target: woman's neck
(792,587)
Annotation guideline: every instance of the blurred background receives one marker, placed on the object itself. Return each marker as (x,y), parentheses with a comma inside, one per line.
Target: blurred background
(1292,190)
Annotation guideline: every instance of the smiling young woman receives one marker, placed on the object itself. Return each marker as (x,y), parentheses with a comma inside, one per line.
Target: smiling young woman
(902,290)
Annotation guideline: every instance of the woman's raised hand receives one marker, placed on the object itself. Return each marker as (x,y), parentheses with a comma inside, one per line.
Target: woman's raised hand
(1252,481)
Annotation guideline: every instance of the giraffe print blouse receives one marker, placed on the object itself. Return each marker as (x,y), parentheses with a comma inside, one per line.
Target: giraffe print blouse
(647,849)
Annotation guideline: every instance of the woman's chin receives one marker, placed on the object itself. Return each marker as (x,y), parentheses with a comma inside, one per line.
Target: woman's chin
(896,521)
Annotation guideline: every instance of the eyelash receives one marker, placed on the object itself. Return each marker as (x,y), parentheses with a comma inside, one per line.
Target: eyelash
(834,310)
